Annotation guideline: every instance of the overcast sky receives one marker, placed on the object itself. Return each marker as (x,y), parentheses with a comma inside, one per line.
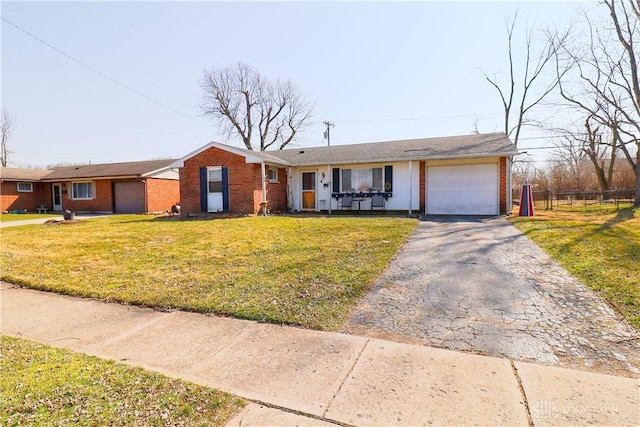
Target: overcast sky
(379,71)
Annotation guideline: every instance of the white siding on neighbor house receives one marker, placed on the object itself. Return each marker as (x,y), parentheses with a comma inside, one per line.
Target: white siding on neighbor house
(401,186)
(166,174)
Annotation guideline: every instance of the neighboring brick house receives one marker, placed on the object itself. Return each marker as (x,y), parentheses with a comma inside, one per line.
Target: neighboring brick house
(129,187)
(466,175)
(22,190)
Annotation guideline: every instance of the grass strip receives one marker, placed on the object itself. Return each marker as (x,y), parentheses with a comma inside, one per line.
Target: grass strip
(43,385)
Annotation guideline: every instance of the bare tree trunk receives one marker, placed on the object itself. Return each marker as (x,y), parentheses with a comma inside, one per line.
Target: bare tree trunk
(6,127)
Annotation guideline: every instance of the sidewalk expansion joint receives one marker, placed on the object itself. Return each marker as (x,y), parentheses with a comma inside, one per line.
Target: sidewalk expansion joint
(136,329)
(229,343)
(346,377)
(522,392)
(301,413)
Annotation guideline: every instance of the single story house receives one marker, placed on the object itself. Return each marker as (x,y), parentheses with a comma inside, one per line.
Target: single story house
(468,175)
(129,187)
(22,190)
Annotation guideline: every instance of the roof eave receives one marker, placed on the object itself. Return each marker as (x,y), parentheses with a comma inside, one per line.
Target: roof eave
(416,158)
(85,178)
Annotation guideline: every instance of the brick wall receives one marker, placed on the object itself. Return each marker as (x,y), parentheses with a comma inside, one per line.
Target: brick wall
(277,192)
(423,186)
(503,185)
(162,194)
(11,199)
(245,186)
(102,201)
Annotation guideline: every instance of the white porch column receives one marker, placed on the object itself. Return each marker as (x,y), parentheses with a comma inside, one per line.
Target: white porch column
(330,175)
(263,171)
(410,186)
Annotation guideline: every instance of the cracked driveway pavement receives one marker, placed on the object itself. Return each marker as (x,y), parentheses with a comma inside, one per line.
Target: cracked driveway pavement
(479,285)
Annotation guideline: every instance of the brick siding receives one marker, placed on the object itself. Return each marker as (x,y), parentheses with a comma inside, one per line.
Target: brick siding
(102,201)
(503,185)
(277,192)
(245,183)
(162,194)
(11,199)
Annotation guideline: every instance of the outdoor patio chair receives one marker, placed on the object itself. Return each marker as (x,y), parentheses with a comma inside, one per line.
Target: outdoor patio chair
(346,202)
(377,201)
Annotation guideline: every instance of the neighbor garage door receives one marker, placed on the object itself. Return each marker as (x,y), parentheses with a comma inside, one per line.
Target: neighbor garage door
(129,197)
(463,190)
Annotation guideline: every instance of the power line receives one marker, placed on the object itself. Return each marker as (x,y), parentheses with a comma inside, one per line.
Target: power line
(101,74)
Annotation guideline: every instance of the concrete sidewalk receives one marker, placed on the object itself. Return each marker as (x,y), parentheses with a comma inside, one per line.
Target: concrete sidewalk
(29,221)
(47,218)
(296,376)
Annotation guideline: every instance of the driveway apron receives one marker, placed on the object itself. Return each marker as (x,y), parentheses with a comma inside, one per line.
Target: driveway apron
(479,285)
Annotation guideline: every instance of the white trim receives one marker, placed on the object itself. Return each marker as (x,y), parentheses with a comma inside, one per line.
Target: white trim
(263,172)
(413,158)
(410,186)
(249,158)
(93,190)
(315,189)
(276,169)
(30,190)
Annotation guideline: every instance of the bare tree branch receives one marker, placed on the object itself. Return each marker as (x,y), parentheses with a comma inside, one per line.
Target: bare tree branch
(535,65)
(245,104)
(605,83)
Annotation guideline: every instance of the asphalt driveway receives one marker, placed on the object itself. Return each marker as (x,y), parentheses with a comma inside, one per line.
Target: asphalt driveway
(479,285)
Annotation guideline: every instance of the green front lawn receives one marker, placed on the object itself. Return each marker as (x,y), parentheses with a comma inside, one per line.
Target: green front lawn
(600,246)
(307,271)
(23,217)
(42,385)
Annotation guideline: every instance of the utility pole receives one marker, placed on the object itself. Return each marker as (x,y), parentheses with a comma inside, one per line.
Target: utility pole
(327,133)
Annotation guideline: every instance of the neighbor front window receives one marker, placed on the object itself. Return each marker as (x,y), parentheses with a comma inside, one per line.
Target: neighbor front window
(362,180)
(25,187)
(82,190)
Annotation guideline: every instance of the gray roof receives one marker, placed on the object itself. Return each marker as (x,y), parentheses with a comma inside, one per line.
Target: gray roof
(476,145)
(108,170)
(18,174)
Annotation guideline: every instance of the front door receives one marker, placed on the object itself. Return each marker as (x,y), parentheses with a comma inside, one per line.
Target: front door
(308,190)
(56,190)
(215,200)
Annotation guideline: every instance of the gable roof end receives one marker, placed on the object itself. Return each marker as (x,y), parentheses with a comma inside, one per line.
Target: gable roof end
(250,156)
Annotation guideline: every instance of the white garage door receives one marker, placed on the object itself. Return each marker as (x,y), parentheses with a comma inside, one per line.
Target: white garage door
(463,190)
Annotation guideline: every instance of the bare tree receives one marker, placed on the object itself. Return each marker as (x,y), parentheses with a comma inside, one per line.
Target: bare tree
(604,79)
(568,157)
(523,93)
(7,121)
(247,105)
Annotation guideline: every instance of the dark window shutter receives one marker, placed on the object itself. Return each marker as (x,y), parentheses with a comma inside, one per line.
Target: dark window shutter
(335,182)
(225,189)
(388,178)
(204,190)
